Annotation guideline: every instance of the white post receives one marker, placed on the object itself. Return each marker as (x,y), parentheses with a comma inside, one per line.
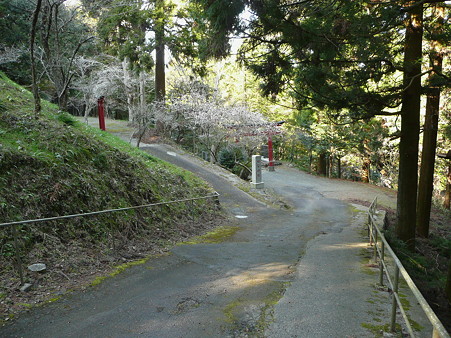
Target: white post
(257,172)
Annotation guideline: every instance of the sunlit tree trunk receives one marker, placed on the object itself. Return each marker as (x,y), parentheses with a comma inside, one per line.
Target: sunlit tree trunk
(426,184)
(410,126)
(366,170)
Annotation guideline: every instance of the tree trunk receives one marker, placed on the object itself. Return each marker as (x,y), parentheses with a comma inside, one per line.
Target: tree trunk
(63,100)
(338,167)
(447,203)
(213,150)
(410,125)
(128,91)
(87,107)
(426,184)
(327,174)
(160,76)
(366,170)
(331,166)
(310,161)
(142,94)
(321,170)
(35,88)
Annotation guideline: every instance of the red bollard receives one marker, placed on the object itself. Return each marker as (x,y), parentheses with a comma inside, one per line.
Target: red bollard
(101,112)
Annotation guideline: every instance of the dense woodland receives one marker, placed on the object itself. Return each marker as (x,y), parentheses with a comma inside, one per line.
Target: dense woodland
(363,86)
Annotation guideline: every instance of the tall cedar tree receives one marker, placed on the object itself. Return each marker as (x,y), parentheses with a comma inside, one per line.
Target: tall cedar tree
(410,126)
(426,183)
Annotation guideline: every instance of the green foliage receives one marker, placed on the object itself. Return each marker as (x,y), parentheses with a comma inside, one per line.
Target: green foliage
(447,132)
(66,118)
(230,155)
(15,28)
(236,160)
(223,17)
(304,118)
(442,245)
(421,268)
(15,23)
(122,29)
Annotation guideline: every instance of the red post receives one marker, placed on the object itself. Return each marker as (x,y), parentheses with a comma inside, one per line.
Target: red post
(101,112)
(270,154)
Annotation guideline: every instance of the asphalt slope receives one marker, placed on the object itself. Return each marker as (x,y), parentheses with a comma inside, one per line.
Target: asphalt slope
(267,279)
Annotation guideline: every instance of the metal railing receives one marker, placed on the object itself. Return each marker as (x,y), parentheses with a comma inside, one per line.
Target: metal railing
(214,196)
(381,247)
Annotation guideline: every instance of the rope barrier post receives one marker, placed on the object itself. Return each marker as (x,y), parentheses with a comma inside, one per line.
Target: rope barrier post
(394,304)
(113,241)
(18,260)
(192,210)
(216,200)
(381,264)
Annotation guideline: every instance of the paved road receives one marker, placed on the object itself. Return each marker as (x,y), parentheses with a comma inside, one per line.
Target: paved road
(285,273)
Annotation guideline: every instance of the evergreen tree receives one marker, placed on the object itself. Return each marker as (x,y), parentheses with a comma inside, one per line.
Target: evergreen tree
(430,130)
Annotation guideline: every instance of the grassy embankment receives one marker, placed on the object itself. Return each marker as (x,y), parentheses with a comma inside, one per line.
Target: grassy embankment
(54,166)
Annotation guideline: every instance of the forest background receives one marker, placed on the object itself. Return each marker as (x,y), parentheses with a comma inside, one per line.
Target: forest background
(363,86)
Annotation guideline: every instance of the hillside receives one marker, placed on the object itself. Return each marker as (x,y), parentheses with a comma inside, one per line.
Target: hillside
(54,166)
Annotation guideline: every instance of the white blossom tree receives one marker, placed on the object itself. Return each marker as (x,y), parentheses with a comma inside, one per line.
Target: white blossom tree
(106,78)
(196,108)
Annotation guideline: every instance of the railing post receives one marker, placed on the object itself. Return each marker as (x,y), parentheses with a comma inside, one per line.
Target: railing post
(375,245)
(381,265)
(18,260)
(394,304)
(371,230)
